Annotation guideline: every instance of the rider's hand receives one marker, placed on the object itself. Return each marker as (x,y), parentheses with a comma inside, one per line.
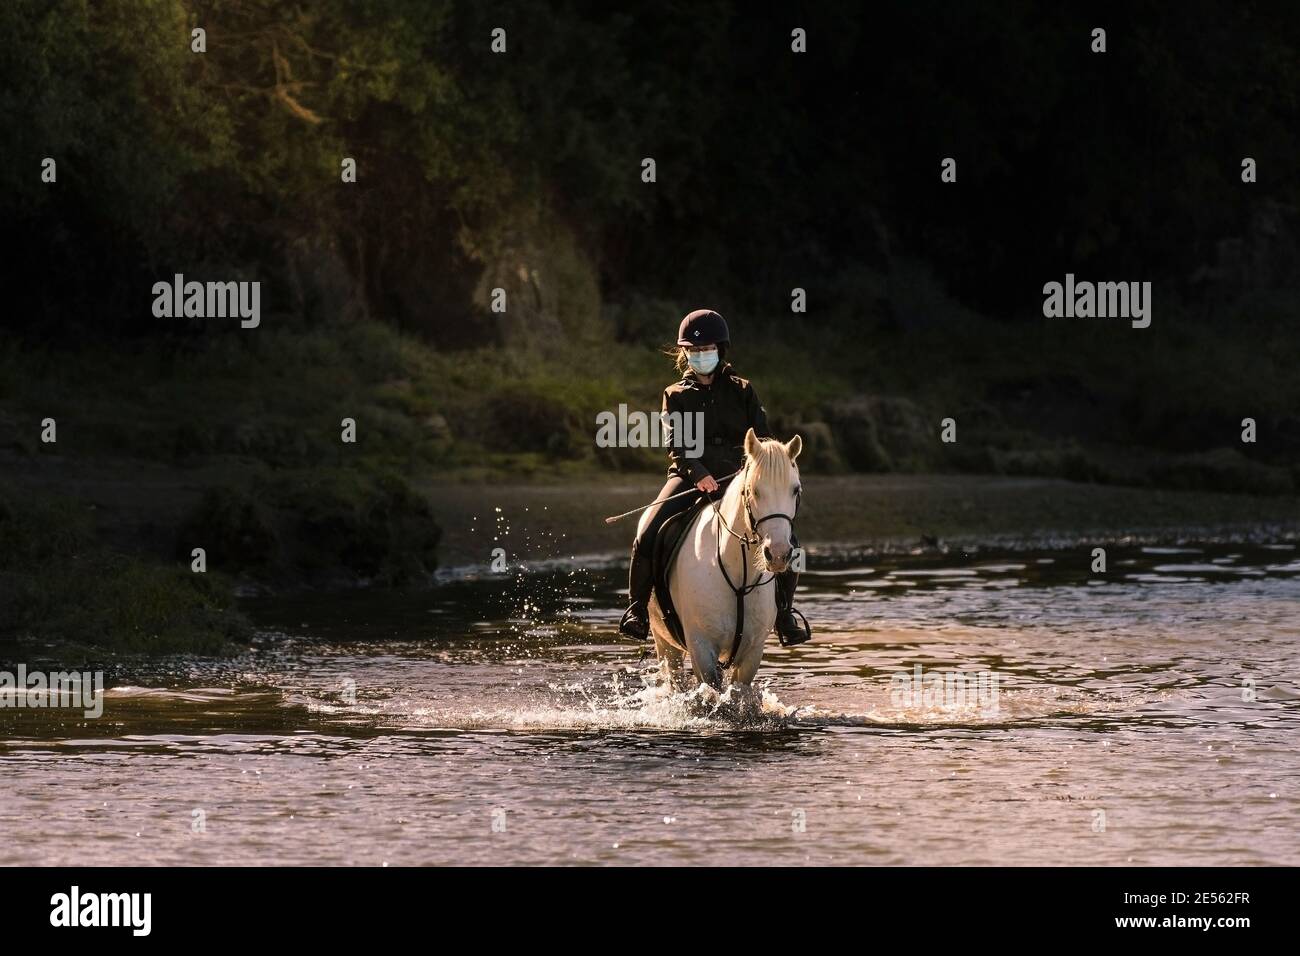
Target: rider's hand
(707,483)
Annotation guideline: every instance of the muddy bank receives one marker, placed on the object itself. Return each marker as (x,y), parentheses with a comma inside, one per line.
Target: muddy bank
(538,522)
(96,559)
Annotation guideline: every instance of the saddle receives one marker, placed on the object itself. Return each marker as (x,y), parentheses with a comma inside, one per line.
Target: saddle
(668,542)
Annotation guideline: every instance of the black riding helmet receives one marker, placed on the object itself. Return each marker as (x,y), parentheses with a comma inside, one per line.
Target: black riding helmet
(703,327)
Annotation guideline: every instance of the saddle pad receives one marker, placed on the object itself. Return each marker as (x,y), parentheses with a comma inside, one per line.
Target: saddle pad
(668,542)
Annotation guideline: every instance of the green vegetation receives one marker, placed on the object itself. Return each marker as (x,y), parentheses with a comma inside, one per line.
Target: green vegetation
(521,172)
(59,585)
(323,525)
(1082,409)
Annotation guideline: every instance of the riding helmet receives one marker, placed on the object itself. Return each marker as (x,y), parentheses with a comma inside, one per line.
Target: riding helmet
(703,327)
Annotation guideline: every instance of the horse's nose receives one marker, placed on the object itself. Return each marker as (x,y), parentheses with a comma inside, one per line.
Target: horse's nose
(776,560)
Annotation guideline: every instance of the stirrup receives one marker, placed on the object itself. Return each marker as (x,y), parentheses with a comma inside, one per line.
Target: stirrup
(804,637)
(635,625)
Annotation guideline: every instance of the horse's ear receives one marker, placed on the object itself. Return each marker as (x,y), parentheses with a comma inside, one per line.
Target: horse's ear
(751,444)
(793,447)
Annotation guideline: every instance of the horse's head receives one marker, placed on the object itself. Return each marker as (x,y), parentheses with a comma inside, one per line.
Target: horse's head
(772,495)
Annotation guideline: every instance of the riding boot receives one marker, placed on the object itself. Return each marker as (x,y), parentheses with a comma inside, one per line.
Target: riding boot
(636,619)
(791,626)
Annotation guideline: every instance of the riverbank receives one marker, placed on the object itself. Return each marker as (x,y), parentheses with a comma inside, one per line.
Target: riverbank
(99,554)
(538,522)
(140,507)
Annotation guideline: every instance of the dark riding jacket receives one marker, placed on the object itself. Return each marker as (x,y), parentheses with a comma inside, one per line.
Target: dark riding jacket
(730,408)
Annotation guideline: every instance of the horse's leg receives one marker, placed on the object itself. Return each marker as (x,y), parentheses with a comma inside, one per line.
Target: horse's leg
(704,661)
(746,667)
(743,673)
(671,660)
(671,663)
(759,617)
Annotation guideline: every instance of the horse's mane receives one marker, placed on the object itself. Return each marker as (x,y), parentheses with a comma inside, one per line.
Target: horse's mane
(771,464)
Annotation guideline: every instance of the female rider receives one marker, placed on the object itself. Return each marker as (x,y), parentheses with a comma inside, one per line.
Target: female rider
(729,408)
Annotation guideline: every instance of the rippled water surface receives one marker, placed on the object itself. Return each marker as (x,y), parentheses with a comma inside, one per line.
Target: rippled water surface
(1148,715)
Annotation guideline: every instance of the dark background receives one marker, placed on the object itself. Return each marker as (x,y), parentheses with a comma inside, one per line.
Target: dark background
(522,171)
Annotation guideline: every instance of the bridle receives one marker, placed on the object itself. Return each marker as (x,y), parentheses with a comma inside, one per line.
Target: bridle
(751,537)
(748,541)
(749,512)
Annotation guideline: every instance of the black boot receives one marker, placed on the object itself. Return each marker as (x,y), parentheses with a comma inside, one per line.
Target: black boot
(636,619)
(791,627)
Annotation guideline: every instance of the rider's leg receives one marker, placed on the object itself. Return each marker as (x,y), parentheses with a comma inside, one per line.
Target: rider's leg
(791,626)
(636,619)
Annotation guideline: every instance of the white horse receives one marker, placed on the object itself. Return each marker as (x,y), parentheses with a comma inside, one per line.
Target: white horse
(757,509)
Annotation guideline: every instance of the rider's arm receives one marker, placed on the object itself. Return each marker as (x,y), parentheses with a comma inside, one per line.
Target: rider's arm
(693,468)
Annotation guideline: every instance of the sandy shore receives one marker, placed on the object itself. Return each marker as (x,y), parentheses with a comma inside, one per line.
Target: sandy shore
(850,512)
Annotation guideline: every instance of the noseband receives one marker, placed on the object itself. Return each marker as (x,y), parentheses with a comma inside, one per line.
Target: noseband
(753,525)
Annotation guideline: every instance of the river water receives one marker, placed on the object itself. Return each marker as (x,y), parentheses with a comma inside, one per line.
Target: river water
(1147,715)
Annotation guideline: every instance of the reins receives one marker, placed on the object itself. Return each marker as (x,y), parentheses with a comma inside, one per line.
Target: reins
(749,540)
(689,491)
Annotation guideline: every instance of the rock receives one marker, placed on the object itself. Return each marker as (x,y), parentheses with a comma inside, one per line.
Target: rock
(820,453)
(438,427)
(882,433)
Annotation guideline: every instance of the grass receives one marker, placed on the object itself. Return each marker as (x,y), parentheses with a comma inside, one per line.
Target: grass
(1037,398)
(254,420)
(60,585)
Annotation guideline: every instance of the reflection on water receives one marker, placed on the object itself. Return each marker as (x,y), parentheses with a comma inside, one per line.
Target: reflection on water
(953,708)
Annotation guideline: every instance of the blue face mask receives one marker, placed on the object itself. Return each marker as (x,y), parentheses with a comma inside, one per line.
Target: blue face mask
(703,363)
